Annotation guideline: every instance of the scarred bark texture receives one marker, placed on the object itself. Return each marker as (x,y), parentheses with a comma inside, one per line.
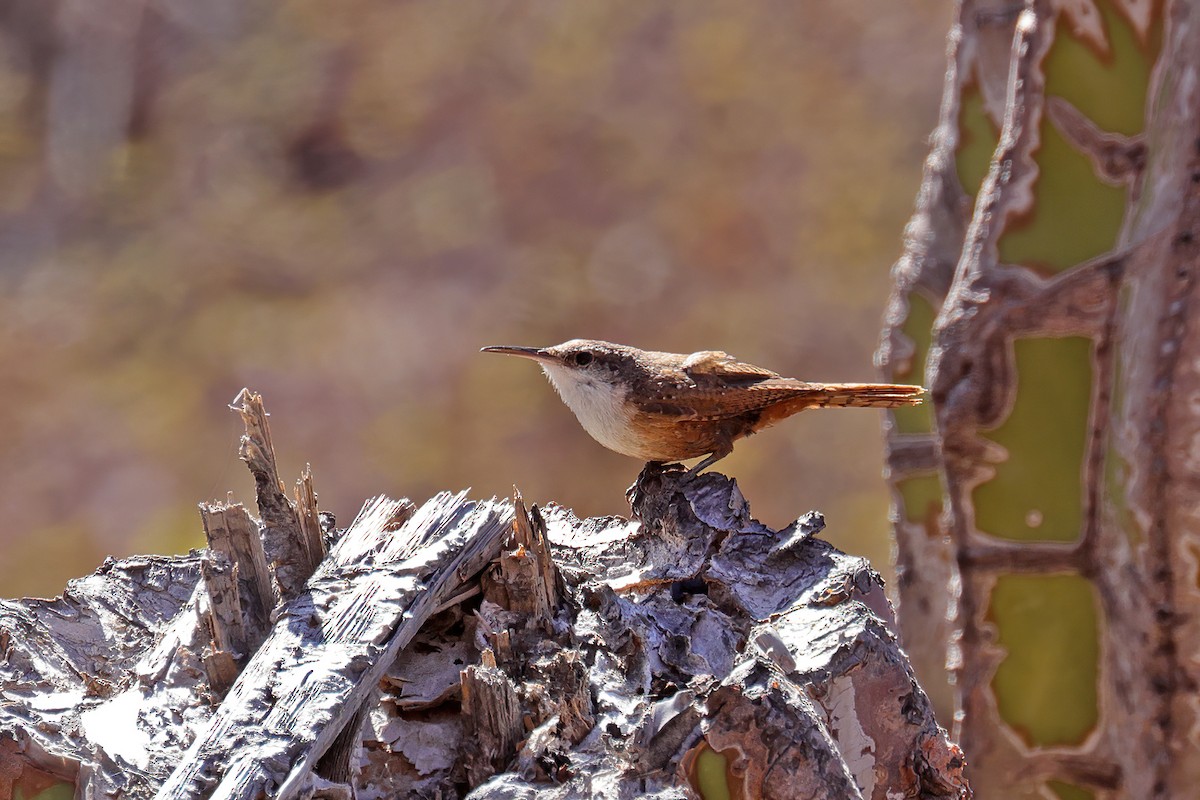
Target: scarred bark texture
(501,652)
(1139,529)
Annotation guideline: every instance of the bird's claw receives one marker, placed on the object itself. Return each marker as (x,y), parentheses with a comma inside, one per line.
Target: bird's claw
(648,479)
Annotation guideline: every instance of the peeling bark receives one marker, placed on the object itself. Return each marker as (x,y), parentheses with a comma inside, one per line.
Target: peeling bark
(495,651)
(1133,546)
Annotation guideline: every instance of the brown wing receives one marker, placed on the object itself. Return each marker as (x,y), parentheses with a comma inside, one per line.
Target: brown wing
(700,390)
(723,367)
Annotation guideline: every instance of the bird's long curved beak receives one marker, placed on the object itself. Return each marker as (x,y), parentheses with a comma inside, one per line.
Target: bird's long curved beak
(535,353)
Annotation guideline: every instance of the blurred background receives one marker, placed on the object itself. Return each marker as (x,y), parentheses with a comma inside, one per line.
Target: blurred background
(338,204)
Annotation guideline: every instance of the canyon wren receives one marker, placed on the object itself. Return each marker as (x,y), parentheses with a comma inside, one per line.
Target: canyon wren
(670,406)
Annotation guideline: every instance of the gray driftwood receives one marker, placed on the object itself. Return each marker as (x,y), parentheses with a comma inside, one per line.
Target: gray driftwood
(333,643)
(481,649)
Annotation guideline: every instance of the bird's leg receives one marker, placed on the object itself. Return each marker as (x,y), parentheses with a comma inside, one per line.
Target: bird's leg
(634,493)
(653,471)
(713,458)
(649,469)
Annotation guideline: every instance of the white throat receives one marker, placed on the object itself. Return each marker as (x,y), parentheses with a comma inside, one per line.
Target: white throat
(598,405)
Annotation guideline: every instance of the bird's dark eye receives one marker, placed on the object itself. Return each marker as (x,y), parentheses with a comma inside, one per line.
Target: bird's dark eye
(582,358)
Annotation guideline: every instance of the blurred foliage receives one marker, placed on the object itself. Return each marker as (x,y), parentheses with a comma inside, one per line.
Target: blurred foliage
(59,791)
(1049,629)
(337,206)
(919,329)
(711,775)
(1109,88)
(1066,791)
(1036,491)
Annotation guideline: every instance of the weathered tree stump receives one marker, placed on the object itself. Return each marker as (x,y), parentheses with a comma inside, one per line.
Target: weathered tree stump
(475,648)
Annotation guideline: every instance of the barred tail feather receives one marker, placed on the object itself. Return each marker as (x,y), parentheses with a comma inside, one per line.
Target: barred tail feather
(864,395)
(842,395)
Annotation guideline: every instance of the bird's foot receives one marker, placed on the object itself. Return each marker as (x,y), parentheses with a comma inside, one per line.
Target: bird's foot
(649,479)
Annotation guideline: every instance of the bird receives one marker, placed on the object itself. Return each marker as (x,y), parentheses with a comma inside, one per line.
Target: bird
(664,407)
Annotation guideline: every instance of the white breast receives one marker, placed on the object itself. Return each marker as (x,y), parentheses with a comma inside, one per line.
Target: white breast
(599,406)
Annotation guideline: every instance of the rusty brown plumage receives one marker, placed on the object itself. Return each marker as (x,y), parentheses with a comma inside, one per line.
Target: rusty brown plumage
(671,406)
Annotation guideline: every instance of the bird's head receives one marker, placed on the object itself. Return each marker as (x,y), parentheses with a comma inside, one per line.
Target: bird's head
(579,367)
(594,379)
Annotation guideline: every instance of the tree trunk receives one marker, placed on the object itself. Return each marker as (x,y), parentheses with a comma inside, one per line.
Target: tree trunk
(476,648)
(1062,362)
